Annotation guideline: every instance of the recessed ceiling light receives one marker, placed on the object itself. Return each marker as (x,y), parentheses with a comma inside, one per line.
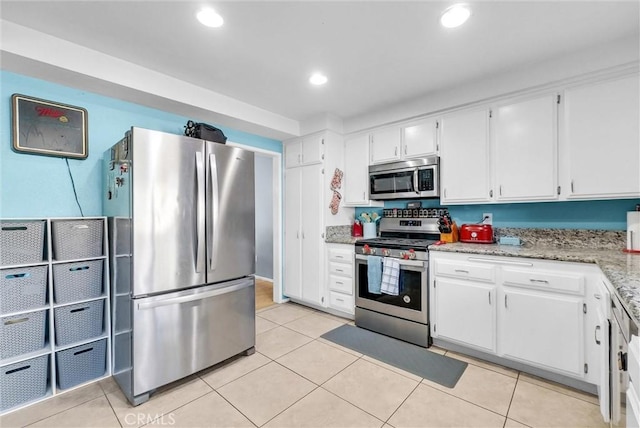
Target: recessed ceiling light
(209,17)
(455,15)
(318,79)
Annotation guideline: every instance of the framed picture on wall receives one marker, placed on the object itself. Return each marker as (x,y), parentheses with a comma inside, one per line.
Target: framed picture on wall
(48,128)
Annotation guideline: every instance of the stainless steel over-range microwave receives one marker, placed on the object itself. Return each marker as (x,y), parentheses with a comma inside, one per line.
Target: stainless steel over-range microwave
(414,178)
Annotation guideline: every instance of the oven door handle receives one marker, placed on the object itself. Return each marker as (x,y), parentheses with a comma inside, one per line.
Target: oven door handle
(403,262)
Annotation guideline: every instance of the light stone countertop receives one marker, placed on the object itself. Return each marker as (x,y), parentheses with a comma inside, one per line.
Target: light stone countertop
(622,269)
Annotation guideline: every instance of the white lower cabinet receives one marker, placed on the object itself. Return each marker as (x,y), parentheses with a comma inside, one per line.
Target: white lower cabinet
(466,313)
(544,330)
(340,277)
(547,315)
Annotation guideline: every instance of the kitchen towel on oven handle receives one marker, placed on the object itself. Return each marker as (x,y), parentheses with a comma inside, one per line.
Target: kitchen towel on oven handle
(374,274)
(390,277)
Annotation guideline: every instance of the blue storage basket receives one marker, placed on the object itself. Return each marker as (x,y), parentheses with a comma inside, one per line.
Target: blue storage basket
(81,364)
(22,289)
(23,382)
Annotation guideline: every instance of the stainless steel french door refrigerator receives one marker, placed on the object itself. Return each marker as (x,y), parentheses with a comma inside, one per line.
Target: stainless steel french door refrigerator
(182,236)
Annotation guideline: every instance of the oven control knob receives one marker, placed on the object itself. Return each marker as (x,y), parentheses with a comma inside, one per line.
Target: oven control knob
(412,254)
(386,252)
(404,255)
(365,249)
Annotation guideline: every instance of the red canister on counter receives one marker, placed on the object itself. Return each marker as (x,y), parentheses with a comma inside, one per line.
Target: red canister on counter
(356,230)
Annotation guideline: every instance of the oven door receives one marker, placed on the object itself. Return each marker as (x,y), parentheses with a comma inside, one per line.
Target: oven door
(410,304)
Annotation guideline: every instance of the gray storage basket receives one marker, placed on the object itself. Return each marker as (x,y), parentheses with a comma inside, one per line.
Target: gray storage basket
(23,382)
(22,289)
(21,242)
(78,322)
(77,239)
(21,334)
(81,363)
(77,281)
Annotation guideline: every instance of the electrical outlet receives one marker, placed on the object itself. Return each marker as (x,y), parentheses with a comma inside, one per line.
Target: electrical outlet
(487,218)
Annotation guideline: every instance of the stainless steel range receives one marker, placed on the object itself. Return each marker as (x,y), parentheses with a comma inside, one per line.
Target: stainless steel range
(405,315)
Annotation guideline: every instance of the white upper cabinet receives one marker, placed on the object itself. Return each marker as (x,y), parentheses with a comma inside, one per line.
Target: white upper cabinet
(385,145)
(600,143)
(412,140)
(525,149)
(356,172)
(304,152)
(419,139)
(464,157)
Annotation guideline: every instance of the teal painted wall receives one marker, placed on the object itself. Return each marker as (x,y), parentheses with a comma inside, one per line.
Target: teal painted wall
(39,186)
(599,215)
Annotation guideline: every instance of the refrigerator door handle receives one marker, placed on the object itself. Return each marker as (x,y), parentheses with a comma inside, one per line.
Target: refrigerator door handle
(193,297)
(215,207)
(200,214)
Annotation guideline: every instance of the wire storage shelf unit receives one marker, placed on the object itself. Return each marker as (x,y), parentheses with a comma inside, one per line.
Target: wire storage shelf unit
(54,307)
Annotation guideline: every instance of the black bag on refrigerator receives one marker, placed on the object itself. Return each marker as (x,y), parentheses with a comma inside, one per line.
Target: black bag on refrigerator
(204,132)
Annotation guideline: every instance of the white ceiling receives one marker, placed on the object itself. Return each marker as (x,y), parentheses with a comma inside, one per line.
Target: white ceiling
(376,53)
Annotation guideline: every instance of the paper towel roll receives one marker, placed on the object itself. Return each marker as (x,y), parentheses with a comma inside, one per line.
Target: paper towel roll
(633,230)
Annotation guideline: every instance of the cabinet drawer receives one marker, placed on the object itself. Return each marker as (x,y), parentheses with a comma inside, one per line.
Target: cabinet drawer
(341,284)
(476,272)
(342,256)
(341,269)
(562,282)
(341,302)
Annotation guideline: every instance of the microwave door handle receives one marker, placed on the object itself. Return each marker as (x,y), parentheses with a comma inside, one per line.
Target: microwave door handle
(415,181)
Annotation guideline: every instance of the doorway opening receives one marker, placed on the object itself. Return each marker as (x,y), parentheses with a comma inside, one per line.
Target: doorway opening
(268,172)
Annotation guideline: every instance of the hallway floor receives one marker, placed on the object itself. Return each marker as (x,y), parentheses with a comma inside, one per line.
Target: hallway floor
(296,379)
(264,294)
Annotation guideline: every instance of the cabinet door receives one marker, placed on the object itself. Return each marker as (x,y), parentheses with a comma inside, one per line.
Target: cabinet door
(419,139)
(525,138)
(312,150)
(292,229)
(466,313)
(385,145)
(356,171)
(601,139)
(464,158)
(543,329)
(312,245)
(293,154)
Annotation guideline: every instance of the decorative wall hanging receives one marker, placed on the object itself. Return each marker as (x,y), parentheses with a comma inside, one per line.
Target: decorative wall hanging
(336,183)
(48,128)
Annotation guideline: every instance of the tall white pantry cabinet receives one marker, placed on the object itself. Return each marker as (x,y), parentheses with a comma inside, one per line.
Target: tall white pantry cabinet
(310,165)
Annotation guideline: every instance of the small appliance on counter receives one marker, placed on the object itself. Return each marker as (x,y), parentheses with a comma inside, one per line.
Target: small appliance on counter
(633,231)
(476,233)
(356,229)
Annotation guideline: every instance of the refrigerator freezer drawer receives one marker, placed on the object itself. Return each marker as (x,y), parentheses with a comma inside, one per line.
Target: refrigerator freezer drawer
(178,334)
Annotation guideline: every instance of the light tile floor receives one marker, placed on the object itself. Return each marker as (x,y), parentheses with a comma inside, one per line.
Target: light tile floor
(296,379)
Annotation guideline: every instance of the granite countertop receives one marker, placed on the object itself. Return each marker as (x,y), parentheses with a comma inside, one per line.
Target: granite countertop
(622,269)
(340,235)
